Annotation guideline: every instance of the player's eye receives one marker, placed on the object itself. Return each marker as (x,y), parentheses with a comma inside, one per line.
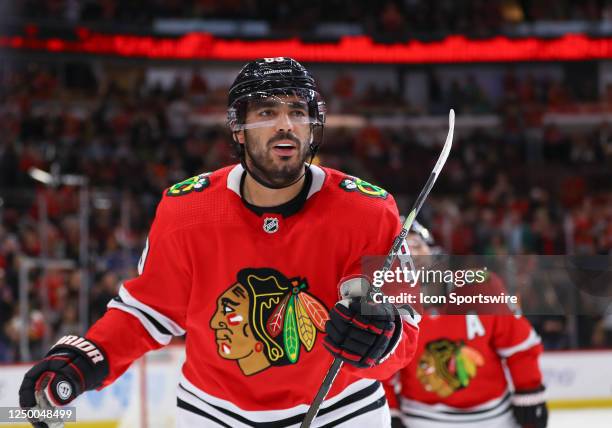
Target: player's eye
(266,113)
(298,113)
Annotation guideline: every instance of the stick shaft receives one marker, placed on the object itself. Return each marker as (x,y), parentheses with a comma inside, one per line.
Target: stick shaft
(323,390)
(397,243)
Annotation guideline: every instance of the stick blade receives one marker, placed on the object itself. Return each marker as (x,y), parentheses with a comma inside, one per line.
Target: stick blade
(447,144)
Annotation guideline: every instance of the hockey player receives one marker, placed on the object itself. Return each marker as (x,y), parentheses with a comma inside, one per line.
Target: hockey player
(457,375)
(248,260)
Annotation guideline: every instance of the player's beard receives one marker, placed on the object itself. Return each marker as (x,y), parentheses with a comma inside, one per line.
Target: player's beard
(260,159)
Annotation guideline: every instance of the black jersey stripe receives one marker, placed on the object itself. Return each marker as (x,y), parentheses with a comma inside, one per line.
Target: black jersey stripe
(156,324)
(354,397)
(503,402)
(477,412)
(193,409)
(370,407)
(457,418)
(349,399)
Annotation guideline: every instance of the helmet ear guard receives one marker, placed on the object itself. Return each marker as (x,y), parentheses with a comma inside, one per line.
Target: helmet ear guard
(321,111)
(232,119)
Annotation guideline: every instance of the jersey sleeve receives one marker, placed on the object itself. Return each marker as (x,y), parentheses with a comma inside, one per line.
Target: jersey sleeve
(392,388)
(378,242)
(151,308)
(516,341)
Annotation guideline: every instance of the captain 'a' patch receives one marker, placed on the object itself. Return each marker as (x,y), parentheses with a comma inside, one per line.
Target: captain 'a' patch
(265,319)
(354,184)
(196,183)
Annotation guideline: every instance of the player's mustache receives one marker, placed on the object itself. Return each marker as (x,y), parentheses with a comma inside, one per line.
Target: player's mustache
(284,136)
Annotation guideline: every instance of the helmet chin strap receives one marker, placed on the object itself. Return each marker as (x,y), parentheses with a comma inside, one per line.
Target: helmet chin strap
(313,151)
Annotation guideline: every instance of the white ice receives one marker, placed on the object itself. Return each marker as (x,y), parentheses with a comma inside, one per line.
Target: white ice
(584,418)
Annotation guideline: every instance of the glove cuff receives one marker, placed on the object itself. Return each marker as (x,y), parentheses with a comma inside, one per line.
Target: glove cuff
(531,397)
(395,338)
(90,359)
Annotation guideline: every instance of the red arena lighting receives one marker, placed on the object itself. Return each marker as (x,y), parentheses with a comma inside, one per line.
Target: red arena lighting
(354,49)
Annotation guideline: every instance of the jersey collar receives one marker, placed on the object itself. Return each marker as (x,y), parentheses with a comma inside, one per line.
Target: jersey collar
(288,208)
(235,177)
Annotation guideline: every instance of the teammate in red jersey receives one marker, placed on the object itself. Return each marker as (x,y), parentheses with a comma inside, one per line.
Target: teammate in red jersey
(248,260)
(457,375)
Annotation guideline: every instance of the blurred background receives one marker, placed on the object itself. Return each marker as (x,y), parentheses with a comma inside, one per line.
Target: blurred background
(105,103)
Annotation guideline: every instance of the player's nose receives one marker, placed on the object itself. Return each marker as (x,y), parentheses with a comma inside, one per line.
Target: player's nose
(283,122)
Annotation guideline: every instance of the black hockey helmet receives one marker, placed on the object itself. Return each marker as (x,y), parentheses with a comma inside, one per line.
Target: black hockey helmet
(424,233)
(272,77)
(426,237)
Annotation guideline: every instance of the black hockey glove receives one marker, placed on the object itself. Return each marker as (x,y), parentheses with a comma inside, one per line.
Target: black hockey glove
(362,339)
(396,422)
(72,366)
(529,408)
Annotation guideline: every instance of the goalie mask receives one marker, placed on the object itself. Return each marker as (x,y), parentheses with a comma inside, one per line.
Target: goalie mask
(277,84)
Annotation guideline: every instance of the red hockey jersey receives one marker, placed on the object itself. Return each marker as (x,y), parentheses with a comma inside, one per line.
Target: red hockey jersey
(252,292)
(458,375)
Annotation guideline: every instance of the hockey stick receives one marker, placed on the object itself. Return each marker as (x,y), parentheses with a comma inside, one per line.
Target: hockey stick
(397,243)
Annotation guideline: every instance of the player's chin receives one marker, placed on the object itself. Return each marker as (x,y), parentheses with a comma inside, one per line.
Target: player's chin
(281,167)
(289,167)
(288,175)
(287,159)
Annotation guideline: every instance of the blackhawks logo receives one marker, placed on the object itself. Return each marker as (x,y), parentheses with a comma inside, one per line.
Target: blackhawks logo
(196,183)
(447,366)
(265,319)
(354,184)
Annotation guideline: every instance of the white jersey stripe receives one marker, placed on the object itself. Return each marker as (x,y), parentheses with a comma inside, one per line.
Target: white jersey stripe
(166,322)
(442,417)
(532,340)
(206,408)
(329,418)
(187,419)
(443,413)
(160,337)
(216,406)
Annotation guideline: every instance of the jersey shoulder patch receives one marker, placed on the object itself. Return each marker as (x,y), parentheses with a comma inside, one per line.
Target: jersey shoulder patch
(354,184)
(196,183)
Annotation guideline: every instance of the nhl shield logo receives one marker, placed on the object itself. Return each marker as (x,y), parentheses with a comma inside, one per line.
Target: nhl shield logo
(270,225)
